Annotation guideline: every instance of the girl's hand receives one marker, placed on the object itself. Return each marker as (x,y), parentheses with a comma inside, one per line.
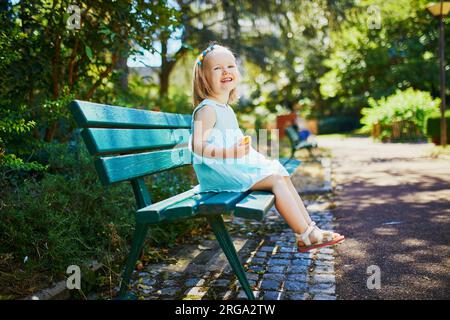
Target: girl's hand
(246,140)
(242,147)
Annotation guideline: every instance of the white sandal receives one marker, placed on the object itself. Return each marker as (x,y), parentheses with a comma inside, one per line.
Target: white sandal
(324,238)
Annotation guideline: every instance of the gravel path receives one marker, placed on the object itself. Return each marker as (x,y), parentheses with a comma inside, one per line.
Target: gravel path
(393,205)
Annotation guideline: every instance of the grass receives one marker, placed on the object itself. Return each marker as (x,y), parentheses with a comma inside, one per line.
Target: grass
(439,151)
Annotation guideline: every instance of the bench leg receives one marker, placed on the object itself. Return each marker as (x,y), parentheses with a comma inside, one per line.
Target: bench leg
(136,247)
(219,229)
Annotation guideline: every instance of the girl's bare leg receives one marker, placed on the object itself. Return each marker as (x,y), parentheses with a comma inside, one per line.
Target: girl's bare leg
(285,202)
(299,201)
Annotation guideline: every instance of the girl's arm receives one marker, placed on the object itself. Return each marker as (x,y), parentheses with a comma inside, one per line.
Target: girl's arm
(206,118)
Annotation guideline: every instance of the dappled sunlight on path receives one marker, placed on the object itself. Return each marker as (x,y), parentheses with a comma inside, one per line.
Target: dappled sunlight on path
(393,205)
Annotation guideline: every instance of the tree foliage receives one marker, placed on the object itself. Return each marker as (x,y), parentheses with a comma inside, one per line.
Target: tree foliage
(367,60)
(408,106)
(45,63)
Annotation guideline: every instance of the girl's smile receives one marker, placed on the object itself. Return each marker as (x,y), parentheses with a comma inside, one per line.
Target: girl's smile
(221,72)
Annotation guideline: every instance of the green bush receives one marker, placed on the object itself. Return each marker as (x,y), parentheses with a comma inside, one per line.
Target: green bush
(433,127)
(408,106)
(338,124)
(64,216)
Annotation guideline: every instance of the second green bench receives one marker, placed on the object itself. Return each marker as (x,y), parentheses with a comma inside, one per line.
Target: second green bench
(296,143)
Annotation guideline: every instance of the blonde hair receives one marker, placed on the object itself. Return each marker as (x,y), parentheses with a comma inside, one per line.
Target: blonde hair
(200,86)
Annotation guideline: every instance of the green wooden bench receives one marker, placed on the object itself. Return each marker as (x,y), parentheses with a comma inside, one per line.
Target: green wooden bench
(129,144)
(296,144)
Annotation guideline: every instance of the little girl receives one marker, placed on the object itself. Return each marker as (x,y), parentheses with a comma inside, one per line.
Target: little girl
(225,161)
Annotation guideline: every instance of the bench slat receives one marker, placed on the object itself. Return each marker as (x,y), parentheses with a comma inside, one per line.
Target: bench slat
(126,167)
(154,212)
(255,205)
(223,202)
(186,208)
(106,140)
(89,114)
(305,145)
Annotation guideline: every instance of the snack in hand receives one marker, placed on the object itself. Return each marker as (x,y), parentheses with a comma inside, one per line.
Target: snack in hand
(246,139)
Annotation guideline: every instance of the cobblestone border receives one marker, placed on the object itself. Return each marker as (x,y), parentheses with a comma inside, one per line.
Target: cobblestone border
(274,269)
(327,186)
(59,290)
(295,276)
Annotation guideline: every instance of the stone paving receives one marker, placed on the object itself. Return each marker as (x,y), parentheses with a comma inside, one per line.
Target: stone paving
(268,251)
(274,269)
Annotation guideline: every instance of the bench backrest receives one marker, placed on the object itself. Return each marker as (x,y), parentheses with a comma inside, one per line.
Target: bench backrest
(292,134)
(130,143)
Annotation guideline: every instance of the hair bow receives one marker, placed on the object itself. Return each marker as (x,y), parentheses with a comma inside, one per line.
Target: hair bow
(202,55)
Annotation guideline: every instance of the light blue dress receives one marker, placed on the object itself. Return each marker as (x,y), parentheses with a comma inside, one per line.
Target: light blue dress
(232,174)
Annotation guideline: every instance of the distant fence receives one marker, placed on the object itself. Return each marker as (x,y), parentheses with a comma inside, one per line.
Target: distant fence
(397,131)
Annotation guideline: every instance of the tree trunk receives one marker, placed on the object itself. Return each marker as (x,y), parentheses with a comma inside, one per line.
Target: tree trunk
(168,63)
(165,71)
(73,56)
(51,129)
(103,75)
(121,65)
(74,62)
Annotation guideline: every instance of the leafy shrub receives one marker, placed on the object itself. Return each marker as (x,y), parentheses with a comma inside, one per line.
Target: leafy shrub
(64,215)
(13,124)
(338,124)
(408,106)
(434,125)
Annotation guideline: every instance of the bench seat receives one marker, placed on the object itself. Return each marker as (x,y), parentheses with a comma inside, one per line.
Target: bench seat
(250,205)
(305,145)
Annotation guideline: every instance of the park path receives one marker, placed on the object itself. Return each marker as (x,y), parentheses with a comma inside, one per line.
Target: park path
(393,205)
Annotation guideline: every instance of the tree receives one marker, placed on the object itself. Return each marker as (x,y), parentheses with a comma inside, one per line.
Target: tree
(373,62)
(45,63)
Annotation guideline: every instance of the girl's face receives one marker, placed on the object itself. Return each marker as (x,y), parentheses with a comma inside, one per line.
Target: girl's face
(221,71)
